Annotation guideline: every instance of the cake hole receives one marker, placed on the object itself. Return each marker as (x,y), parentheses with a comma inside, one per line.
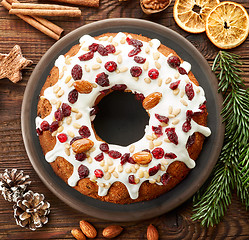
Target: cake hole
(121,119)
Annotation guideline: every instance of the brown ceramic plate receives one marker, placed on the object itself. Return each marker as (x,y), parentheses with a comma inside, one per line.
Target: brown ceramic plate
(142,210)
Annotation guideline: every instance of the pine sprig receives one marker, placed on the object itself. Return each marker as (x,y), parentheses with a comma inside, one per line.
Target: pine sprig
(232,168)
(243,177)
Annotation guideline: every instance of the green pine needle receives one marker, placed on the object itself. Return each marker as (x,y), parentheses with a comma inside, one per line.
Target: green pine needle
(232,168)
(243,177)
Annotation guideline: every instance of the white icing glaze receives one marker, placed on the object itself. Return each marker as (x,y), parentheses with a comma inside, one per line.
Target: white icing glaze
(86,101)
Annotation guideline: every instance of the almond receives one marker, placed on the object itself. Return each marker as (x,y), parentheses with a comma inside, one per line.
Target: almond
(142,157)
(88,229)
(82,145)
(152,233)
(78,234)
(112,231)
(152,100)
(83,86)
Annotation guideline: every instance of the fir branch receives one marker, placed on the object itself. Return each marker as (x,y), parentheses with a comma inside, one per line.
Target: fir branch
(232,168)
(243,177)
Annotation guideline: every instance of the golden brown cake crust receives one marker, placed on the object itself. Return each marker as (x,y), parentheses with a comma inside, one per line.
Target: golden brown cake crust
(117,192)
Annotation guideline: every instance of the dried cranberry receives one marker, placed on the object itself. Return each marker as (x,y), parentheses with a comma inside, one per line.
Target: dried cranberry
(170,155)
(153,73)
(139,59)
(125,158)
(44,126)
(104,147)
(99,157)
(83,171)
(186,126)
(119,87)
(84,132)
(172,135)
(94,111)
(87,56)
(73,96)
(93,47)
(66,109)
(75,139)
(203,107)
(76,72)
(131,161)
(189,115)
(174,61)
(157,130)
(102,79)
(104,92)
(111,66)
(154,170)
(161,118)
(98,173)
(110,48)
(134,42)
(174,85)
(158,153)
(136,71)
(80,156)
(139,96)
(197,113)
(62,137)
(54,126)
(114,154)
(58,114)
(131,179)
(165,178)
(128,40)
(189,91)
(182,71)
(134,52)
(191,140)
(102,50)
(39,131)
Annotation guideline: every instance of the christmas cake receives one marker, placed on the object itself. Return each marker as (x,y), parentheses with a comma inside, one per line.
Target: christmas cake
(169,93)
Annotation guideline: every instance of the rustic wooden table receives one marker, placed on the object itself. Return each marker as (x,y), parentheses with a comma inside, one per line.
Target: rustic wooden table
(173,225)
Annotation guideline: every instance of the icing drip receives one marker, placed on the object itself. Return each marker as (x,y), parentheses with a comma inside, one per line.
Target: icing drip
(179,103)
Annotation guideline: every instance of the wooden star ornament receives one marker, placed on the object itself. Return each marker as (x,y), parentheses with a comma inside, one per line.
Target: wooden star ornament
(11,64)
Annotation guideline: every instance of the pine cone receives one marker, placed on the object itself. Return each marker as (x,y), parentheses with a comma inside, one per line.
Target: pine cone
(13,184)
(31,210)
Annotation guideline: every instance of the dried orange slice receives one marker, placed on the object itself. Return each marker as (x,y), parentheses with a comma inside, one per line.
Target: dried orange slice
(227,25)
(191,15)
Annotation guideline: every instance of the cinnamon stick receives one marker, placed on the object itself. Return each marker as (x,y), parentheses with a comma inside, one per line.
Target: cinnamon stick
(86,3)
(41,6)
(58,30)
(46,12)
(33,22)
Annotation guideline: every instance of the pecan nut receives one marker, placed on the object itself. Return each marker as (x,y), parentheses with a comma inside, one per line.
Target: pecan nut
(154,6)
